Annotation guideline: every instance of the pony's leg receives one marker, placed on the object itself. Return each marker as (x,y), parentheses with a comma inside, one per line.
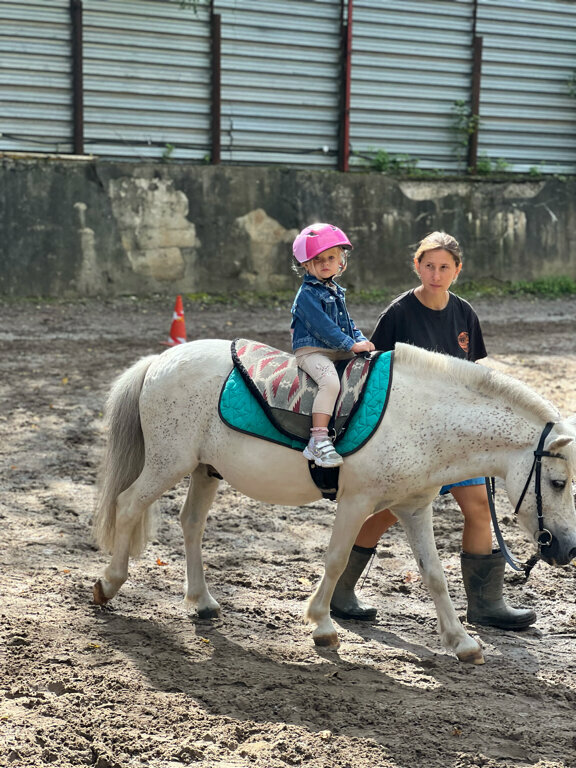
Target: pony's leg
(132,508)
(349,518)
(420,533)
(193,516)
(132,528)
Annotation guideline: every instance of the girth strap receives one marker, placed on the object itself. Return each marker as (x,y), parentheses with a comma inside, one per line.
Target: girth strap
(326,479)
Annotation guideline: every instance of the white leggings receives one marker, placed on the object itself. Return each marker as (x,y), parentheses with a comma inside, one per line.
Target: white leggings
(319,364)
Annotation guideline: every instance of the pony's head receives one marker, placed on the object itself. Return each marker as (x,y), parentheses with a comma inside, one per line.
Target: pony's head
(545,498)
(545,506)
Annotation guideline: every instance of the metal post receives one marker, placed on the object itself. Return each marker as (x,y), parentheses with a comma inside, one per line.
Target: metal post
(344,148)
(216,87)
(77,76)
(475,104)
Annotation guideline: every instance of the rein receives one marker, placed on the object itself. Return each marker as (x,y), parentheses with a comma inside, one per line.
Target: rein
(544,537)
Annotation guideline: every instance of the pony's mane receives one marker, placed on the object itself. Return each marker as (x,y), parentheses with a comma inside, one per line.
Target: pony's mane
(485,380)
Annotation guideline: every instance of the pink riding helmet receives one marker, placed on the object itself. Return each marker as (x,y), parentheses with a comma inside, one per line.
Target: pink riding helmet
(318,238)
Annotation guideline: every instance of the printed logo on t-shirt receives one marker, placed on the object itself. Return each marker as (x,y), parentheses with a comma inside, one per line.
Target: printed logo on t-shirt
(463,341)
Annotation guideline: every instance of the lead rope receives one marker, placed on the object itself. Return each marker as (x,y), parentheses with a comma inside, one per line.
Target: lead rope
(529,564)
(367,571)
(509,557)
(491,488)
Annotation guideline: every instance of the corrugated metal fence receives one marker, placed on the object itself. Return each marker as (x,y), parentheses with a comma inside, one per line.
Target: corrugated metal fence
(412,63)
(146,79)
(35,76)
(528,116)
(263,82)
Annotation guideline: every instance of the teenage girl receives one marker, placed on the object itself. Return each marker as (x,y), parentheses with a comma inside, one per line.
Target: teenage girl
(432,317)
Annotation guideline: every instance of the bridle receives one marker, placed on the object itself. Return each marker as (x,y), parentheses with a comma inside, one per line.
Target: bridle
(544,537)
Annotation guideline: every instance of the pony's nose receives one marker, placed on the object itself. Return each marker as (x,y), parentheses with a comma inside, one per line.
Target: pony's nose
(550,550)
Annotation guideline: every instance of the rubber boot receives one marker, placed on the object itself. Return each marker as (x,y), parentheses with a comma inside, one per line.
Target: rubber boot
(345,604)
(483,577)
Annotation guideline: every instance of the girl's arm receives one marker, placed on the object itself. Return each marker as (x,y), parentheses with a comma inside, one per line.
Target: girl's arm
(356,332)
(310,312)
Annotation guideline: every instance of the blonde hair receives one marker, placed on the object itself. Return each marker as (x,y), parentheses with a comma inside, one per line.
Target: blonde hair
(302,269)
(436,240)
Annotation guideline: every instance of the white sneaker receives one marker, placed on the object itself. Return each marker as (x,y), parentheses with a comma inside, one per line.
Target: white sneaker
(323,454)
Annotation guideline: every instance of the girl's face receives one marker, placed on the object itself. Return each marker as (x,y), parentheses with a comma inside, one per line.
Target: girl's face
(326,264)
(437,270)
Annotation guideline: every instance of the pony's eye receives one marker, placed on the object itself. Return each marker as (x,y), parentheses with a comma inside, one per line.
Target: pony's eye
(559,484)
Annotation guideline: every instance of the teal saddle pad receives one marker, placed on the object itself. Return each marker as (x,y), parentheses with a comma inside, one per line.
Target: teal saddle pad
(266,395)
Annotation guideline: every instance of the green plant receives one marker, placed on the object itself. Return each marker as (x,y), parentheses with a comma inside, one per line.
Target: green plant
(551,287)
(380,161)
(464,124)
(485,166)
(375,296)
(396,165)
(167,153)
(501,165)
(547,288)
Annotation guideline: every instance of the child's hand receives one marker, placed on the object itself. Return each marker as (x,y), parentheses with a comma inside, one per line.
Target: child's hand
(363,346)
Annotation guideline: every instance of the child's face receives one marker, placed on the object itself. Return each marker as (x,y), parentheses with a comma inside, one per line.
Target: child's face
(437,270)
(326,264)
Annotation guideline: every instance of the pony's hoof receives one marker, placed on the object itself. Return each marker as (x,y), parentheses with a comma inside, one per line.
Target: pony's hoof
(98,594)
(327,641)
(472,657)
(209,613)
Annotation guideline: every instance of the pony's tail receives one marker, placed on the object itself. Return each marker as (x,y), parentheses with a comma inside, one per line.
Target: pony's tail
(123,457)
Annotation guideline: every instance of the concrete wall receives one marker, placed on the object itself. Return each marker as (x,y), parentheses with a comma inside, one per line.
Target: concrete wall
(79,228)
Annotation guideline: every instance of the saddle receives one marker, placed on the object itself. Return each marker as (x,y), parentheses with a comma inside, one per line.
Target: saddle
(266,395)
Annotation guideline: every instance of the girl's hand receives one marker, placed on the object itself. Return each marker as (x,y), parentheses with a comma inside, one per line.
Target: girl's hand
(363,346)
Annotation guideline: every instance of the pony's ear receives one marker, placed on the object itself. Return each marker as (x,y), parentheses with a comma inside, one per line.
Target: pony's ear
(559,442)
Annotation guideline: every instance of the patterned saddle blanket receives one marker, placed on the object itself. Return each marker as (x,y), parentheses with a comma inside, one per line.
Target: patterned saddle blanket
(266,395)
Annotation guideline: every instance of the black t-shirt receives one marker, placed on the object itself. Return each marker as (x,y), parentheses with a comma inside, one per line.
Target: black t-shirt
(454,330)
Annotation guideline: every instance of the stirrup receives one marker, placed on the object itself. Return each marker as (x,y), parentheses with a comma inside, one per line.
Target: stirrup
(323,454)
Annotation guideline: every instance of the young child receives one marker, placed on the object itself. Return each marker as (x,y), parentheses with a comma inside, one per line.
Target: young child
(322,330)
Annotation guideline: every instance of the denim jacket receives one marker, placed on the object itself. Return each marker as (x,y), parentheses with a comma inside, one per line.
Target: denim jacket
(320,318)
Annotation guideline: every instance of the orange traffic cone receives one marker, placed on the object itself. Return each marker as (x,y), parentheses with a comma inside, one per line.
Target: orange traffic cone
(178,327)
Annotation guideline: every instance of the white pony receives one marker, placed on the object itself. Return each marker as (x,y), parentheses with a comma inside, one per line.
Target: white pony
(446,420)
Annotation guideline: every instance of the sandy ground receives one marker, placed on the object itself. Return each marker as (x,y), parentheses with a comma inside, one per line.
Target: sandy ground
(141,683)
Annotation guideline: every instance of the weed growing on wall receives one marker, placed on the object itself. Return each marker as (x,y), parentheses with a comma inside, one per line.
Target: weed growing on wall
(464,124)
(381,161)
(485,166)
(395,165)
(167,153)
